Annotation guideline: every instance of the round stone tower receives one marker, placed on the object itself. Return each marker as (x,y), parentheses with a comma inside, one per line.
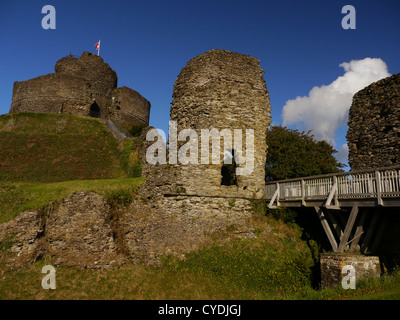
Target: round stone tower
(374,125)
(221,94)
(90,67)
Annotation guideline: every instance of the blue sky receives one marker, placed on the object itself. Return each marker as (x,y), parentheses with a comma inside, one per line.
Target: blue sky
(300,43)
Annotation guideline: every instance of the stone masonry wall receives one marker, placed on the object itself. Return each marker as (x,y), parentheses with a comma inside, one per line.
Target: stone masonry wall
(374,125)
(48,93)
(122,100)
(222,90)
(333,263)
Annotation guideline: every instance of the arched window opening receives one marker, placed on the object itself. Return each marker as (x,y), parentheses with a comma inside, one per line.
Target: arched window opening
(94,111)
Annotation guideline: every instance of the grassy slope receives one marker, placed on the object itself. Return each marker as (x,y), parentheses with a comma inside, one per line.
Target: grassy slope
(16,197)
(38,147)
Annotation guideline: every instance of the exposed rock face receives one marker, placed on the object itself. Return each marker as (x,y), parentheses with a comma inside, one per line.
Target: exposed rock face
(20,239)
(222,90)
(78,232)
(374,125)
(85,86)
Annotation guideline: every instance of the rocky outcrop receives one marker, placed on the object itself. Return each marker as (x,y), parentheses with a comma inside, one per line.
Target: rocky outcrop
(75,232)
(78,232)
(21,240)
(81,230)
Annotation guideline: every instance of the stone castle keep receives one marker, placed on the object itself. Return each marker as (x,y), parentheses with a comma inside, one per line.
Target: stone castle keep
(84,86)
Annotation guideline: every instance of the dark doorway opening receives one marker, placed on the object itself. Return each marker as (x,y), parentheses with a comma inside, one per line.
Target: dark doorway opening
(228,170)
(94,111)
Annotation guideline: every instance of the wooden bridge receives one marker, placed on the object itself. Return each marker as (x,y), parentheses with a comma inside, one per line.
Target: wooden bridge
(338,196)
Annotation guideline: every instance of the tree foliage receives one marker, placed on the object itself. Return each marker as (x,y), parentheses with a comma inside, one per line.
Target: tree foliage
(293,154)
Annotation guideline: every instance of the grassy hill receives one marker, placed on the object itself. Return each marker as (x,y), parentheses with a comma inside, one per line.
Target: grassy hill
(39,147)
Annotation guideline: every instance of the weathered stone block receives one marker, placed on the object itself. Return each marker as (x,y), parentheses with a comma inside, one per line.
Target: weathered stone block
(333,263)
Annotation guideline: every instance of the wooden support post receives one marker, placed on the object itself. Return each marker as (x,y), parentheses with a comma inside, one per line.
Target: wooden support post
(275,197)
(333,196)
(359,231)
(322,217)
(349,227)
(335,223)
(378,188)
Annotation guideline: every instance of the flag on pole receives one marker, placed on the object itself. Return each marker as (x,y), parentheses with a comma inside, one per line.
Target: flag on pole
(97,46)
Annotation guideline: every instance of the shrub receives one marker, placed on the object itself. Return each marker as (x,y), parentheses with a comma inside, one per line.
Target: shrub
(120,197)
(136,130)
(130,160)
(283,214)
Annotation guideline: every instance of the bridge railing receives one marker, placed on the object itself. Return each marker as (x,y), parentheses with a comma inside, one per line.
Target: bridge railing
(371,183)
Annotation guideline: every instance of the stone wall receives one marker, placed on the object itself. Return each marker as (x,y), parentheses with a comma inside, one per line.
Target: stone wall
(48,93)
(90,67)
(80,230)
(333,263)
(122,101)
(222,90)
(374,125)
(85,86)
(180,224)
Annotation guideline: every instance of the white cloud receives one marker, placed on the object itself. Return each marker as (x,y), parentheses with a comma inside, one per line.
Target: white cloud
(325,108)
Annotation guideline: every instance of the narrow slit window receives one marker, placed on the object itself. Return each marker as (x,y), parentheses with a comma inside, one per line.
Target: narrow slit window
(228,169)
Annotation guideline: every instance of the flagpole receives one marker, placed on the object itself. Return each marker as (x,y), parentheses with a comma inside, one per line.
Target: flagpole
(98,50)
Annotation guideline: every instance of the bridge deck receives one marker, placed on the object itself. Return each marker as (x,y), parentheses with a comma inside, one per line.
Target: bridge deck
(329,194)
(368,188)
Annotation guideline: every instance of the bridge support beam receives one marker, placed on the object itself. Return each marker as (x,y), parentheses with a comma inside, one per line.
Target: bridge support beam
(348,229)
(342,236)
(325,224)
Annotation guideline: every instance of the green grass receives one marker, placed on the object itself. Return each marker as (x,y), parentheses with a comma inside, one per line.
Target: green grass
(274,265)
(136,281)
(39,147)
(16,197)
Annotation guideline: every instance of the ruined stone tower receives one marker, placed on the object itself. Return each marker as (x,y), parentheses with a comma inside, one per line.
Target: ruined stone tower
(374,125)
(85,86)
(223,90)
